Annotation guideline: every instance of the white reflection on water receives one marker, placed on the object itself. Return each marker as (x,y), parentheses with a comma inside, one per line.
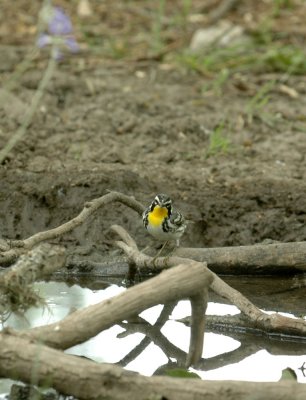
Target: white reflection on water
(106,347)
(259,367)
(61,300)
(179,334)
(148,361)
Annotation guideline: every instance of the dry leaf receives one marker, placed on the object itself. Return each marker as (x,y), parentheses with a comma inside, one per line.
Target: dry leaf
(289,91)
(84,9)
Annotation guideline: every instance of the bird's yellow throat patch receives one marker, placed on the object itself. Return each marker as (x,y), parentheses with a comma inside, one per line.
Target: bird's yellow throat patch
(157,216)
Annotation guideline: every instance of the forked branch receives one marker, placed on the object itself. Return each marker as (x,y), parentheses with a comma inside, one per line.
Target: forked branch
(268,323)
(177,283)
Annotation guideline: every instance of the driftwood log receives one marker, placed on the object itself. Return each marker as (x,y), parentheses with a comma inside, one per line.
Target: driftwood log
(274,258)
(31,362)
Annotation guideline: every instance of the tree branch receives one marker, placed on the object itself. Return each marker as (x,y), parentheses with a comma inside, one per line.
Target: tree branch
(71,375)
(269,323)
(276,257)
(89,208)
(161,320)
(153,333)
(179,282)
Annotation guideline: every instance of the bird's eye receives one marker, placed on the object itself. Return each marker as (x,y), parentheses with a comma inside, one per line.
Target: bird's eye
(154,204)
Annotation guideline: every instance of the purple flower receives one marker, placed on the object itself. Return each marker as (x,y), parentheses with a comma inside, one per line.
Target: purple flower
(59,32)
(59,23)
(43,40)
(72,44)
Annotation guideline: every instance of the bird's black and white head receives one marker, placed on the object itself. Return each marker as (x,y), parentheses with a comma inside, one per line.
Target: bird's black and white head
(163,201)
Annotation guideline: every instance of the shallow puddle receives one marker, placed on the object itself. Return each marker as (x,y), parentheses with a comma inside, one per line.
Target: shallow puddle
(234,356)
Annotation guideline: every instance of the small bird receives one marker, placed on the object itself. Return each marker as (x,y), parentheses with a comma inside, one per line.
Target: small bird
(162,221)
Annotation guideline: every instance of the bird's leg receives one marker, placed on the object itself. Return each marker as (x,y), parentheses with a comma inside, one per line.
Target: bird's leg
(145,249)
(160,251)
(177,243)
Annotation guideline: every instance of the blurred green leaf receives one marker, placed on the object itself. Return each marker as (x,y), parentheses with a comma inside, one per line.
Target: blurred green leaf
(181,373)
(288,374)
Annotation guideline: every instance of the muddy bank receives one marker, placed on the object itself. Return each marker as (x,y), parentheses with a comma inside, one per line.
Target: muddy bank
(239,212)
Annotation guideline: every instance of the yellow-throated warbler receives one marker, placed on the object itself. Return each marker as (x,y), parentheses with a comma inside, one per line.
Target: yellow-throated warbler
(162,221)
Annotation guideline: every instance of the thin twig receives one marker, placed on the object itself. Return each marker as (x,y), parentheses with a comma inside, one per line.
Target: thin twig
(225,7)
(32,109)
(88,210)
(128,240)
